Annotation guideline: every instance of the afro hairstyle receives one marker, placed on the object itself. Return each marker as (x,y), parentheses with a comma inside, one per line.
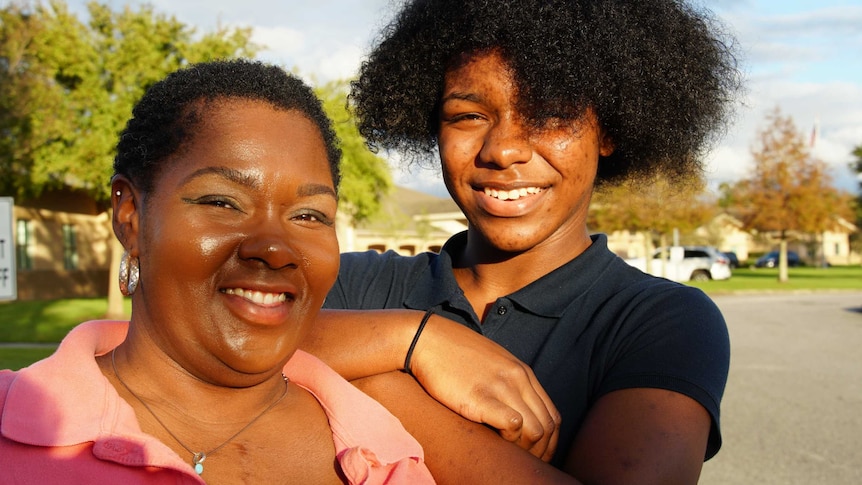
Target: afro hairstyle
(660,75)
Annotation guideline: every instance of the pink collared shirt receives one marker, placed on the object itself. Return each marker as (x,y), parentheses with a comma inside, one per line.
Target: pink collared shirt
(61,421)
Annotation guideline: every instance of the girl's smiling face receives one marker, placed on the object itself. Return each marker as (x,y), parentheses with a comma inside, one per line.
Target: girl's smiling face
(521,187)
(236,241)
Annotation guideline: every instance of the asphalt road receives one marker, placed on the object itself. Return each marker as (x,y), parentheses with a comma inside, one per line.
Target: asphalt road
(792,411)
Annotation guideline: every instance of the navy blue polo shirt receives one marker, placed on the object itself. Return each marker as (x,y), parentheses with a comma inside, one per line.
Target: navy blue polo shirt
(592,326)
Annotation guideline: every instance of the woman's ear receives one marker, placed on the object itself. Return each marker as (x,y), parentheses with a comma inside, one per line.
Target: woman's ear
(606,145)
(126,200)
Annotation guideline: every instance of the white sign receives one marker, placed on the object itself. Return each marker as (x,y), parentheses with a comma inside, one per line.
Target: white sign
(8,275)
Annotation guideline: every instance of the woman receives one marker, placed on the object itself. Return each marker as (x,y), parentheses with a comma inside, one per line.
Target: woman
(531,103)
(224,197)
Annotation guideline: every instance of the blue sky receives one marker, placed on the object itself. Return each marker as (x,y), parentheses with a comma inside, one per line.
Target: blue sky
(802,56)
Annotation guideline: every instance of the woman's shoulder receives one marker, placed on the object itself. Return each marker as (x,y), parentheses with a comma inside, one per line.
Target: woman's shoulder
(367,436)
(6,378)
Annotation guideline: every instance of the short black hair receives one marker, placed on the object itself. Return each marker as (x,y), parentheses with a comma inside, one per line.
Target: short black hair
(165,119)
(660,75)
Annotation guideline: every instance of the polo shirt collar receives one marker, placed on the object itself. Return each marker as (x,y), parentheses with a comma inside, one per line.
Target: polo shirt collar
(65,400)
(549,296)
(552,294)
(37,410)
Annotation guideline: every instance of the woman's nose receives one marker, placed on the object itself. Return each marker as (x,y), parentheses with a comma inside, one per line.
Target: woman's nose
(507,142)
(269,243)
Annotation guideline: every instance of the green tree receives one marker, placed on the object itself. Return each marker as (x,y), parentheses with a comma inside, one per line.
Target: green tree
(789,191)
(365,177)
(68,87)
(856,166)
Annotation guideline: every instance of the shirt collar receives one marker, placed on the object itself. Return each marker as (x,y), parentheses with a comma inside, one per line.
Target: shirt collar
(65,400)
(549,296)
(552,294)
(37,409)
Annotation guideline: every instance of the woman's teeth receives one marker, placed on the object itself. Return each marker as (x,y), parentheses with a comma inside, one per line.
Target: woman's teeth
(258,297)
(513,194)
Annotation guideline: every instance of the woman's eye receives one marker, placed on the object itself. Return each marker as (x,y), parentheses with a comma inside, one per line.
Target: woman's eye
(216,201)
(220,203)
(313,217)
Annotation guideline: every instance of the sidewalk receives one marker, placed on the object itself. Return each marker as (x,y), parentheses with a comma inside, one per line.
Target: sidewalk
(790,415)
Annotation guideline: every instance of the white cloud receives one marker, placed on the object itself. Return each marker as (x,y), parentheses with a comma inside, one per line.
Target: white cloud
(279,42)
(835,106)
(341,63)
(804,61)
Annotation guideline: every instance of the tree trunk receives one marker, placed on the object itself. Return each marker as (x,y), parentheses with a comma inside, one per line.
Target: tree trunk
(647,238)
(782,261)
(665,255)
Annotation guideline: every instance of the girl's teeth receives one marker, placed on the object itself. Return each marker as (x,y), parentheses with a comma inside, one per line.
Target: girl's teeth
(514,194)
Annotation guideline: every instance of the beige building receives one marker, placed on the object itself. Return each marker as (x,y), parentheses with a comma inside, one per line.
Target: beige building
(727,234)
(724,232)
(62,246)
(836,244)
(410,222)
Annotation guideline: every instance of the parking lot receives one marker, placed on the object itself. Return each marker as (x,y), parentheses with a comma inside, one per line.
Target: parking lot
(792,412)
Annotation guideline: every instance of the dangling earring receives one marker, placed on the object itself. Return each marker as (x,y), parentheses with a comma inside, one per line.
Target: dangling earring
(129,274)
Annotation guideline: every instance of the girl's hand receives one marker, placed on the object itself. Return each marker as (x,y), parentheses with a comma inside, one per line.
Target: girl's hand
(483,382)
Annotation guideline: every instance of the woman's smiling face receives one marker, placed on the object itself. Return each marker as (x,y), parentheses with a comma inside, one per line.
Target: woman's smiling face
(521,187)
(237,241)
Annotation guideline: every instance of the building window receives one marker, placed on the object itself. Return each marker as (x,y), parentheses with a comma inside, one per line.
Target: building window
(70,247)
(24,243)
(837,249)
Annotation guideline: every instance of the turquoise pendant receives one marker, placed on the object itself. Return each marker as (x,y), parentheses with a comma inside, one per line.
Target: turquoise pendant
(198,462)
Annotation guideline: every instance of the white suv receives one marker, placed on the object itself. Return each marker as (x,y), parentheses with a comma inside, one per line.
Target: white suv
(687,263)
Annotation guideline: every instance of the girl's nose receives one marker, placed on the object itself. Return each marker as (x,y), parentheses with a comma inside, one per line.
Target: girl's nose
(506,143)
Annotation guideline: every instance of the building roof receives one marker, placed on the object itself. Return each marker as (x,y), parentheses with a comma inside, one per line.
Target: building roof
(406,207)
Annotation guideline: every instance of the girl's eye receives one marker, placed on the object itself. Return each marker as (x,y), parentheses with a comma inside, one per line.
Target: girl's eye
(462,117)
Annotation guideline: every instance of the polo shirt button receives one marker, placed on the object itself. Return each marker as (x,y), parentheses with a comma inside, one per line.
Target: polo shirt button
(501,310)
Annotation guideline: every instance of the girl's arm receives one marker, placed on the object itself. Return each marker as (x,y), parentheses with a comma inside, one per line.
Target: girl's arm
(465,371)
(457,451)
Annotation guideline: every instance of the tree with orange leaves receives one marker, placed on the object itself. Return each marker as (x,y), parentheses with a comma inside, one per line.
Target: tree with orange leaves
(789,190)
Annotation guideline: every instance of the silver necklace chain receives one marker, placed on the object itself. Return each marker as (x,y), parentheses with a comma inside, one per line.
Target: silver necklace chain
(198,457)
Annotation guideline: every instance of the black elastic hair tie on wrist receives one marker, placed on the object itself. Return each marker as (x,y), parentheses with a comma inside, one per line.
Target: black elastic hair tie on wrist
(416,339)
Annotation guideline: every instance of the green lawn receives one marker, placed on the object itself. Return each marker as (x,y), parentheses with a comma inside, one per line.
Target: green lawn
(800,279)
(48,321)
(15,358)
(43,322)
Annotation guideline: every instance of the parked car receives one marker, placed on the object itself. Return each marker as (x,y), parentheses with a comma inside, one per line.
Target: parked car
(770,260)
(732,260)
(698,263)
